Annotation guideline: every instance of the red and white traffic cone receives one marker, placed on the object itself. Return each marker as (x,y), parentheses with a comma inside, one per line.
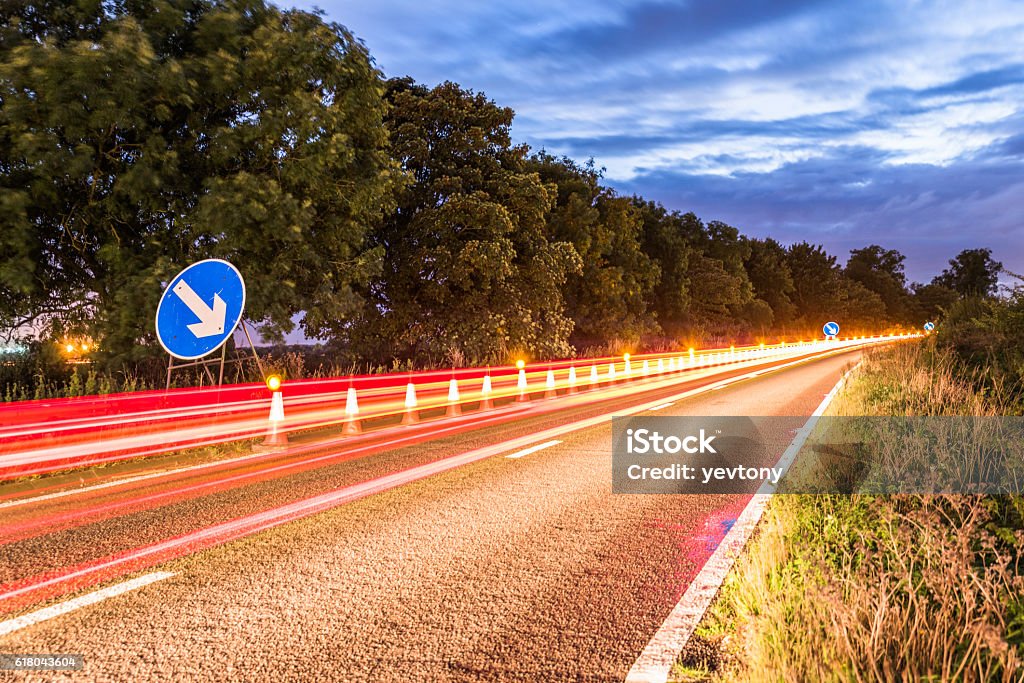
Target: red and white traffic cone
(352,425)
(595,379)
(276,436)
(411,416)
(549,385)
(645,369)
(524,396)
(572,379)
(661,366)
(454,408)
(486,403)
(611,373)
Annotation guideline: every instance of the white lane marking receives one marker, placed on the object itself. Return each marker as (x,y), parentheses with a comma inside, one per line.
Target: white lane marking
(655,662)
(664,405)
(534,449)
(61,608)
(245,526)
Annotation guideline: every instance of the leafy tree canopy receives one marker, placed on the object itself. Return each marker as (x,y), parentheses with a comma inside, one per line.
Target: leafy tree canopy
(139,136)
(470,273)
(972,273)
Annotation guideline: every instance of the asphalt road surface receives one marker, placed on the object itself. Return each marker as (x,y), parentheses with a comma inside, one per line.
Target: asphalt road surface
(524,569)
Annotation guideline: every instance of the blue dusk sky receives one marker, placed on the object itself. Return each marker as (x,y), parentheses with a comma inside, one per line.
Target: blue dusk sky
(843,123)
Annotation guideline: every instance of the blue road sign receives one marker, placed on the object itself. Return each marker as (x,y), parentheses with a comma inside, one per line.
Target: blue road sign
(200,309)
(830,329)
(929,326)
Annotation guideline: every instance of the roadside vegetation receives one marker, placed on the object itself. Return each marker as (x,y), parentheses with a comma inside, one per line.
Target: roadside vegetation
(888,588)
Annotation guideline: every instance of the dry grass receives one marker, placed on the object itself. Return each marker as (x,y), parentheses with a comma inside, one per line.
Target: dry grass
(878,588)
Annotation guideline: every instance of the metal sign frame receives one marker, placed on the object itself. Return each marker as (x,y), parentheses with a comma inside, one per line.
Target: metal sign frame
(205,363)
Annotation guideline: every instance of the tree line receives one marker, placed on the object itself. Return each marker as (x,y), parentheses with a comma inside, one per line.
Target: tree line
(395,220)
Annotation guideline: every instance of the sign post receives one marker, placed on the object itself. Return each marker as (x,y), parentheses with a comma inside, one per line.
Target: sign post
(929,326)
(199,311)
(831,329)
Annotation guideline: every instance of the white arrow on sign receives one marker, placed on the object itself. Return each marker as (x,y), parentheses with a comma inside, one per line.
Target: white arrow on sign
(211,320)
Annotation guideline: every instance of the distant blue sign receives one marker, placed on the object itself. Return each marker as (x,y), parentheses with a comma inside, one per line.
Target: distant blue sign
(929,326)
(830,329)
(200,309)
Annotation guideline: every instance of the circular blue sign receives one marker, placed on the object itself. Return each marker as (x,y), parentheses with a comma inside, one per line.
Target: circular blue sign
(929,326)
(830,329)
(200,309)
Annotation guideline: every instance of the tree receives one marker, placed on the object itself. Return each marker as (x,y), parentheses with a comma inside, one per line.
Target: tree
(609,298)
(770,276)
(972,273)
(881,271)
(667,241)
(469,271)
(929,301)
(719,287)
(816,283)
(138,137)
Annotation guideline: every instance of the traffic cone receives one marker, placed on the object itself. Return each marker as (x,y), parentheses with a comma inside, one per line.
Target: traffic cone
(521,386)
(611,372)
(693,357)
(351,414)
(661,365)
(454,408)
(486,403)
(671,364)
(411,416)
(572,379)
(276,437)
(645,369)
(594,379)
(549,385)
(627,368)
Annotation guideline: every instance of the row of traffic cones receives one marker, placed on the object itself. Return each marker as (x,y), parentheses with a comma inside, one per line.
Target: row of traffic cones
(276,437)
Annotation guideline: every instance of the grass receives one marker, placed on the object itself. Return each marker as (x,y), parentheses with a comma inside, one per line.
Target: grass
(878,588)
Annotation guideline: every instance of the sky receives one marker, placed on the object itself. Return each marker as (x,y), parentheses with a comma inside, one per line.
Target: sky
(841,123)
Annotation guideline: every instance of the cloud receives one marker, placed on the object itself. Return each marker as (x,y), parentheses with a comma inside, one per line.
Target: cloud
(851,198)
(837,122)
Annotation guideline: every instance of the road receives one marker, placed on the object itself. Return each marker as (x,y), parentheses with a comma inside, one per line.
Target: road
(523,568)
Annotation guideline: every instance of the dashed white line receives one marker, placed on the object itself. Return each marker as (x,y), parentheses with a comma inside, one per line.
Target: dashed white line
(533,449)
(664,405)
(61,608)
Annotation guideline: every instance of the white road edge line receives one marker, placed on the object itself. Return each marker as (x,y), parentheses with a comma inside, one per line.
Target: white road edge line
(61,608)
(534,449)
(655,662)
(664,405)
